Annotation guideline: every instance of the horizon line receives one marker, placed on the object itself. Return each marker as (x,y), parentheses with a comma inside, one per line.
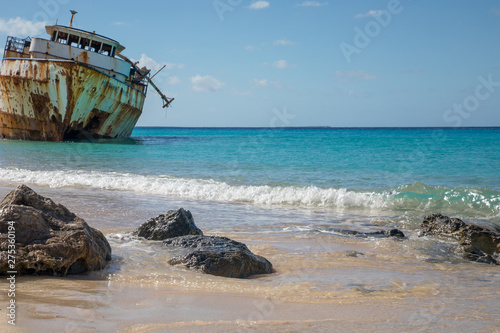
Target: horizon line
(324,127)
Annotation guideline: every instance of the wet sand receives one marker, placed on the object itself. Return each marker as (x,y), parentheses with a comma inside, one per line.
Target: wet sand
(323,282)
(149,309)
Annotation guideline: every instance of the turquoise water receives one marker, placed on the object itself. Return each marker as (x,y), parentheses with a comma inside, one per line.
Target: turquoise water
(373,171)
(286,193)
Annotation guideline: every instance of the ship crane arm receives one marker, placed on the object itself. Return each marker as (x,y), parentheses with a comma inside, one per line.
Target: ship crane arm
(165,99)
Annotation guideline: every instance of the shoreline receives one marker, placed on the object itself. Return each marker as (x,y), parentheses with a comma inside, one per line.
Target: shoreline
(80,305)
(322,280)
(150,309)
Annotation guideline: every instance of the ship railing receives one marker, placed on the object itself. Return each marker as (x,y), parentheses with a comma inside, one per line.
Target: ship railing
(16,44)
(140,75)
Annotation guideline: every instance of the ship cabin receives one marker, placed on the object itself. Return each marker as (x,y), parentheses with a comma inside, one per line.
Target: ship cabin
(72,44)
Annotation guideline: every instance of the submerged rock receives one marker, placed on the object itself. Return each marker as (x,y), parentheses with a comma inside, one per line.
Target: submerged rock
(219,256)
(479,243)
(48,238)
(173,224)
(396,233)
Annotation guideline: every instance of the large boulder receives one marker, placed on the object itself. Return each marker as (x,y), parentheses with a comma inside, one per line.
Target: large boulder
(173,224)
(48,238)
(478,242)
(219,256)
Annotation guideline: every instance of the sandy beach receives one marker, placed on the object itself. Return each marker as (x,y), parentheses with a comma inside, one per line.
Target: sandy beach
(321,284)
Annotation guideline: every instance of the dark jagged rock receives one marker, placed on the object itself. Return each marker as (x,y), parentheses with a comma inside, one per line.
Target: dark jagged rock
(478,242)
(396,233)
(173,224)
(48,238)
(212,255)
(219,256)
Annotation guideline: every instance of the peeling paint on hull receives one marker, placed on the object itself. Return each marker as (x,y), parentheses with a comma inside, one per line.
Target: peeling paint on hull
(56,100)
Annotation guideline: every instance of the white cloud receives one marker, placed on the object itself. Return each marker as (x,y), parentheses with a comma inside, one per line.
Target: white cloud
(259,5)
(281,64)
(354,76)
(311,4)
(206,83)
(271,84)
(21,28)
(369,13)
(119,23)
(173,80)
(155,66)
(495,11)
(249,48)
(260,82)
(283,42)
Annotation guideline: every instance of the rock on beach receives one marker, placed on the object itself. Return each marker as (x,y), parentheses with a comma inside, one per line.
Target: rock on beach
(219,256)
(48,239)
(479,243)
(174,223)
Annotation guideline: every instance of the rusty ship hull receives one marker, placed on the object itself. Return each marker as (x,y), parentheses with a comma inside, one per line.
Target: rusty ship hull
(56,100)
(76,84)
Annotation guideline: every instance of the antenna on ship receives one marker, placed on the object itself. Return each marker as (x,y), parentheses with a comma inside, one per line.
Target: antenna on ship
(73,12)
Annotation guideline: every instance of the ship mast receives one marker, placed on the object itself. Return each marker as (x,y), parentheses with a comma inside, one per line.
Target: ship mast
(73,12)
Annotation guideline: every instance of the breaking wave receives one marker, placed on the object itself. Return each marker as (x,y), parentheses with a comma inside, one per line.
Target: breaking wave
(464,201)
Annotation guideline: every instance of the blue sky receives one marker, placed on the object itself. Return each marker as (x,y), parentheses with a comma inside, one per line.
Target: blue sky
(340,63)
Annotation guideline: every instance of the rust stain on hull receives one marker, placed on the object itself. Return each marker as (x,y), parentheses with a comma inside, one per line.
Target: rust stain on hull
(55,100)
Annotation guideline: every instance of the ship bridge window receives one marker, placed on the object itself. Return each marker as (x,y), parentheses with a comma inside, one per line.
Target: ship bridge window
(74,40)
(106,49)
(85,43)
(62,38)
(95,46)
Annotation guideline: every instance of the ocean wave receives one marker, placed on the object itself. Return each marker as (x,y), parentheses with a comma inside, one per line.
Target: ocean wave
(465,201)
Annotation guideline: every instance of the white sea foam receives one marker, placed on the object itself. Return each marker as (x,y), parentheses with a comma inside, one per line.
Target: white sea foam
(198,188)
(416,196)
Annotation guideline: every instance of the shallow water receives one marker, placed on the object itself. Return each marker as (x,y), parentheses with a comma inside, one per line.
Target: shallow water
(286,194)
(324,281)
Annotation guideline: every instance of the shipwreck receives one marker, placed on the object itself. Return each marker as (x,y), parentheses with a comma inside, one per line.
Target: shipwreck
(74,85)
